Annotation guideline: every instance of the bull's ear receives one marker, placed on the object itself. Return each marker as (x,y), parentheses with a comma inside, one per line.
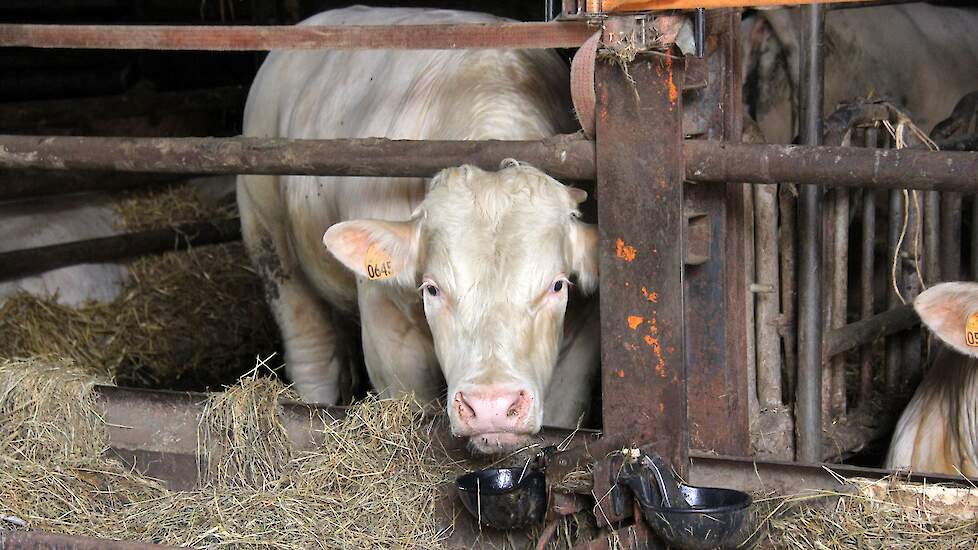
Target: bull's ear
(378,250)
(584,255)
(950,310)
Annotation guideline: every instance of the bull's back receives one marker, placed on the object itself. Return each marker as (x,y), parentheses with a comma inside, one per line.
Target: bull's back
(396,94)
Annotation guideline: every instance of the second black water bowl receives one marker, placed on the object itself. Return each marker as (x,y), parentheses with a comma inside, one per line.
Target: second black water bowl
(504,498)
(715,518)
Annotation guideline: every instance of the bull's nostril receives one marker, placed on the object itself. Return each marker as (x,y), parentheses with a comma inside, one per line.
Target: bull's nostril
(463,409)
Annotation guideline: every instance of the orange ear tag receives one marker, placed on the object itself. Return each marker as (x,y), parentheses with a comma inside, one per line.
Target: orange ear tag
(377,263)
(971,330)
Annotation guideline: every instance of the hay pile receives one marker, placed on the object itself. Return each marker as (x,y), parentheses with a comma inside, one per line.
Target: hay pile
(372,484)
(863,518)
(185,320)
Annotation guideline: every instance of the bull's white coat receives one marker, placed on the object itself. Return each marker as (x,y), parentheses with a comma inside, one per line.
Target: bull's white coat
(492,244)
(938,431)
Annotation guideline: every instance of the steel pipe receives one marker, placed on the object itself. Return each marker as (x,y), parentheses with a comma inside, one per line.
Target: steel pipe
(565,156)
(254,38)
(808,401)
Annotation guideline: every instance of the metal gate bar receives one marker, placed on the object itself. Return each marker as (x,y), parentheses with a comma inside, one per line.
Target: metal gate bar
(299,37)
(809,384)
(560,156)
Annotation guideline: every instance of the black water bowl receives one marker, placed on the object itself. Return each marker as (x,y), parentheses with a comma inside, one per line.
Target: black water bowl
(504,498)
(716,518)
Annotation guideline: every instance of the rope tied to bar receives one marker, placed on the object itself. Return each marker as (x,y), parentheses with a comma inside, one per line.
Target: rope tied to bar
(899,134)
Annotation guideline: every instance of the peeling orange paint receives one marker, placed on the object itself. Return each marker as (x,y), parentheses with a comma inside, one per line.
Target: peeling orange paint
(624,251)
(662,408)
(673,91)
(634,321)
(653,341)
(620,373)
(650,296)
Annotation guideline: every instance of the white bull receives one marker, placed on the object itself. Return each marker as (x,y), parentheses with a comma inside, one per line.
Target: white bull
(461,281)
(938,431)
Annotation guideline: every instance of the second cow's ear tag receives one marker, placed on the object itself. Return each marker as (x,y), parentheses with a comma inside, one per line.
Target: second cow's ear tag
(377,263)
(971,330)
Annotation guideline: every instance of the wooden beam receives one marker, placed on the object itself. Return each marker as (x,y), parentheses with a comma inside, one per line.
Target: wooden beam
(250,38)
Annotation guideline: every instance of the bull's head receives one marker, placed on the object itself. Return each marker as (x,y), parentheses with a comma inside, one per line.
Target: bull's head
(492,255)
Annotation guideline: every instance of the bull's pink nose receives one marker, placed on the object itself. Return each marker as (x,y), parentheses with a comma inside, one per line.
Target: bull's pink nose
(492,410)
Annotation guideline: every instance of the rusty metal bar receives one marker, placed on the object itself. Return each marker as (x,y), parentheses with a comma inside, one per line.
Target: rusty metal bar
(19,263)
(807,404)
(301,37)
(866,283)
(839,291)
(951,236)
(894,281)
(864,331)
(844,166)
(561,156)
(718,360)
(974,238)
(788,241)
(932,236)
(640,219)
(61,112)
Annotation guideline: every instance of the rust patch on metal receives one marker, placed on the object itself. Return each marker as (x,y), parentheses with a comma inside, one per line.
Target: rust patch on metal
(634,321)
(673,91)
(625,251)
(650,296)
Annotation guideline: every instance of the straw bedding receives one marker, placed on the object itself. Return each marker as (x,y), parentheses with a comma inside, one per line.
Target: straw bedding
(185,320)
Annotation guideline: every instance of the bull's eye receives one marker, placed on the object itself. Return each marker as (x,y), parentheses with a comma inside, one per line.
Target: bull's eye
(431,290)
(558,286)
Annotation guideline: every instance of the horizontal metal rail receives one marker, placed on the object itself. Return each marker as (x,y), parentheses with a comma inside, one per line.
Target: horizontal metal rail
(29,261)
(865,331)
(567,157)
(561,157)
(302,37)
(711,161)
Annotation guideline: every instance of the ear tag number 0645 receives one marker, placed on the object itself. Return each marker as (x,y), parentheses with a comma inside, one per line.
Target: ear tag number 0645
(377,264)
(971,330)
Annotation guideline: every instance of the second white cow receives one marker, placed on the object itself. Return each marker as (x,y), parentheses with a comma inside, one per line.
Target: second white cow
(938,431)
(461,281)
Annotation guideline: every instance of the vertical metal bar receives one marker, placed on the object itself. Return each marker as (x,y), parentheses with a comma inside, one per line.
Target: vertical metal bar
(640,217)
(788,241)
(840,289)
(718,357)
(894,280)
(974,238)
(910,356)
(932,236)
(866,287)
(951,236)
(809,418)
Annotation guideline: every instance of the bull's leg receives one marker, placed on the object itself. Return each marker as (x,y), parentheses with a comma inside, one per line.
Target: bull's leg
(397,348)
(313,360)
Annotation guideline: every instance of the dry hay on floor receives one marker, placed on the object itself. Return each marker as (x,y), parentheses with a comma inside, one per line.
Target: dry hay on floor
(373,483)
(185,320)
(867,515)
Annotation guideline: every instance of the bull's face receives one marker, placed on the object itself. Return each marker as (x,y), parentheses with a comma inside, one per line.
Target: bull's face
(492,256)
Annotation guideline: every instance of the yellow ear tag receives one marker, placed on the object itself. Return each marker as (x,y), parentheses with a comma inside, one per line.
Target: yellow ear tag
(377,264)
(971,330)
